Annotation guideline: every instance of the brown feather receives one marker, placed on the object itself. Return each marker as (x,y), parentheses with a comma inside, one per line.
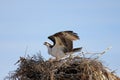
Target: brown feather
(64,38)
(70,35)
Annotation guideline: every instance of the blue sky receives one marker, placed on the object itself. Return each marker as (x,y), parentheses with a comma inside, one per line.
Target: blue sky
(29,23)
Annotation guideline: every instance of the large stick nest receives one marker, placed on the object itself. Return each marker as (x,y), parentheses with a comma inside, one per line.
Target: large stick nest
(73,68)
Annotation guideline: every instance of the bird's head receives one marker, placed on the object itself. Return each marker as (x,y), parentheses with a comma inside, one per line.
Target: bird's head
(47,44)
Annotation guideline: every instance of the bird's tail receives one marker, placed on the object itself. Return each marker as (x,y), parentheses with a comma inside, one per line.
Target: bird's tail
(77,49)
(74,50)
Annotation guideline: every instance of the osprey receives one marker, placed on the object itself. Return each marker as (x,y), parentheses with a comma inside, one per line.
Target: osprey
(62,44)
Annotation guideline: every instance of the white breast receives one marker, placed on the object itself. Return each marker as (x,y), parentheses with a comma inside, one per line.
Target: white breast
(57,51)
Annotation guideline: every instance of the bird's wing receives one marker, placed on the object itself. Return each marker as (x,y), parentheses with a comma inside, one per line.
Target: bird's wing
(70,35)
(65,39)
(52,38)
(61,44)
(69,44)
(56,40)
(67,34)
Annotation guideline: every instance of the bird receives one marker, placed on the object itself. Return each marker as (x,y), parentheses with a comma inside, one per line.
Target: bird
(62,44)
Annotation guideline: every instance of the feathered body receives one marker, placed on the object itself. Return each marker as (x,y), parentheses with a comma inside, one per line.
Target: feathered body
(62,44)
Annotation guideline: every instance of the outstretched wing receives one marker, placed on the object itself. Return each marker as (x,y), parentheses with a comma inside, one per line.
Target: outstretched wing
(57,41)
(66,38)
(70,35)
(67,34)
(52,38)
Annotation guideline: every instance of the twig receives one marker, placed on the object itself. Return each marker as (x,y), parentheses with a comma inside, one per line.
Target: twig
(100,54)
(26,51)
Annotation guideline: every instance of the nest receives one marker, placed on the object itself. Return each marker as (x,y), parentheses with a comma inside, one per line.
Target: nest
(73,68)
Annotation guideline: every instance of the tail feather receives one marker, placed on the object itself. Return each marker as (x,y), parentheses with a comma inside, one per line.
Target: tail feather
(74,50)
(77,49)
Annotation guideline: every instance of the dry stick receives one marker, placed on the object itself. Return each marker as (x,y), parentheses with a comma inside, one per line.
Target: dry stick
(25,51)
(107,49)
(21,58)
(99,54)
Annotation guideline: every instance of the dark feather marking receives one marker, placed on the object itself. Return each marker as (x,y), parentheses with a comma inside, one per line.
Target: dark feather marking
(66,42)
(77,49)
(52,39)
(69,44)
(72,33)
